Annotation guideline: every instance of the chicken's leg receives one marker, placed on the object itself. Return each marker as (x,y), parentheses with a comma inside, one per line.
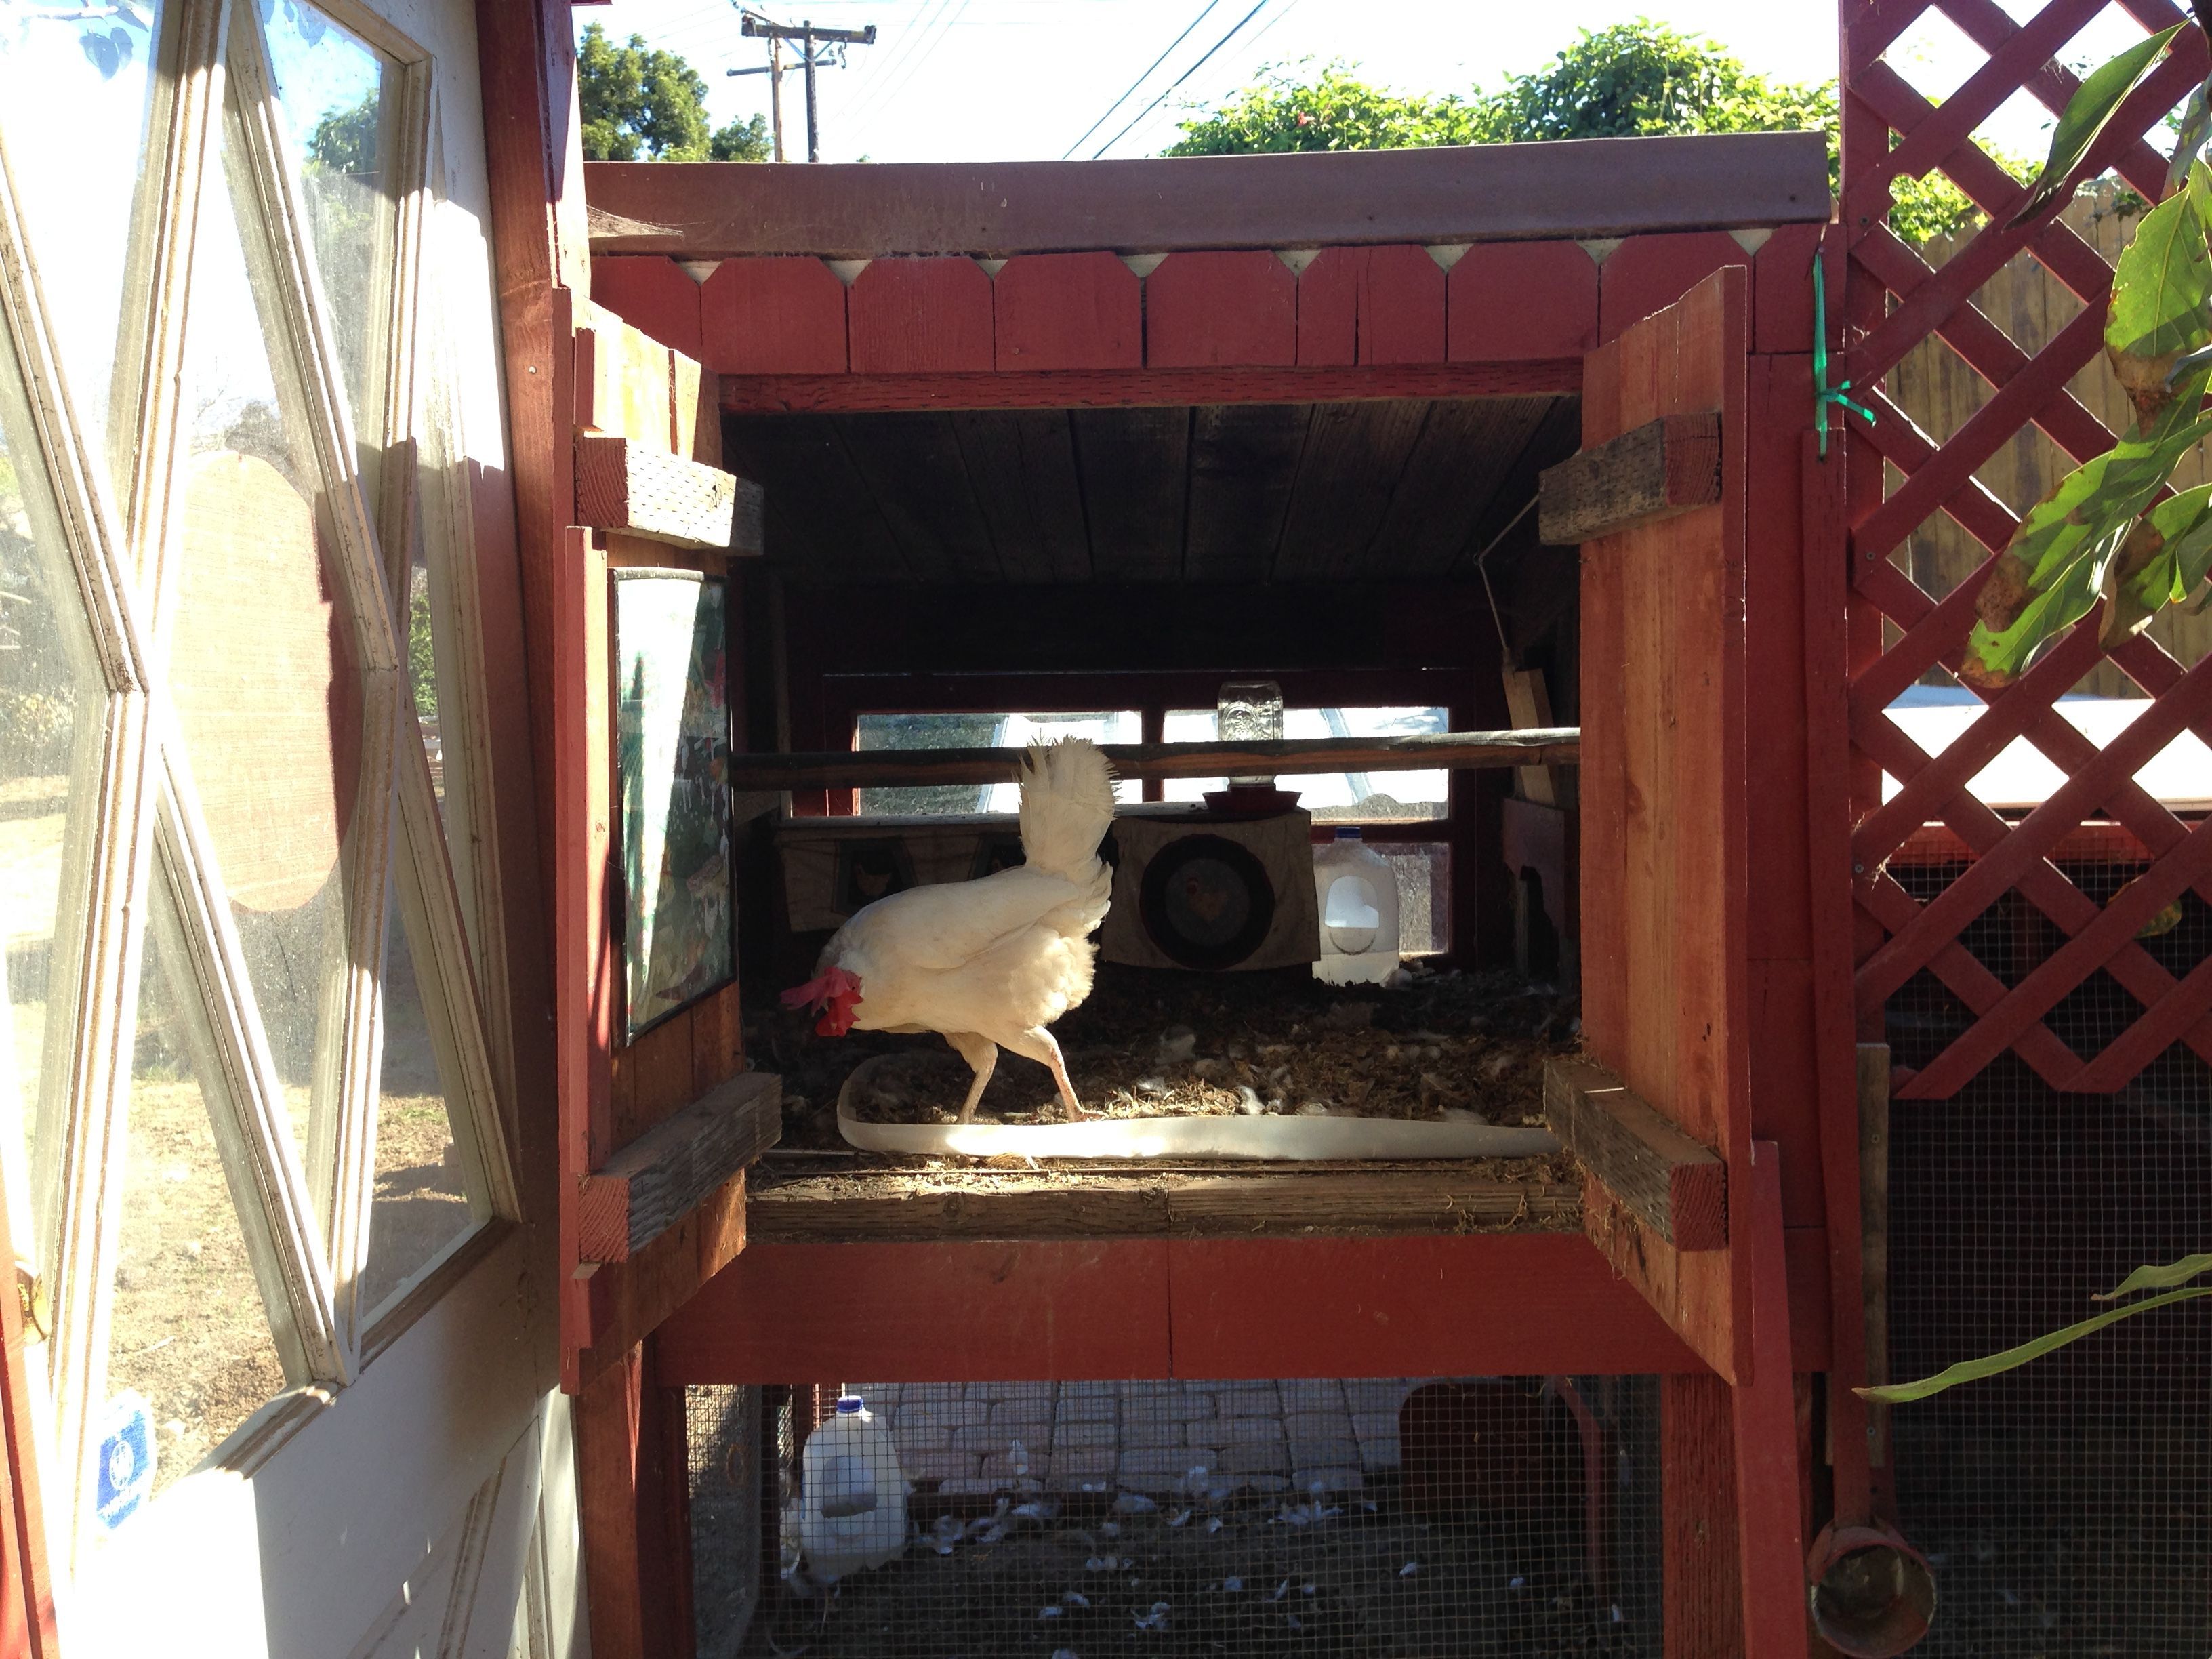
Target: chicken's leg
(981,1054)
(1038,1044)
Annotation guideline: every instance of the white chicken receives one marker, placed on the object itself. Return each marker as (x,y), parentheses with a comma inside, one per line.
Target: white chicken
(986,963)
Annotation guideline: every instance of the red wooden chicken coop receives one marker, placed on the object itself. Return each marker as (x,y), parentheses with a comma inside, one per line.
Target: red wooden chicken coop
(1101,436)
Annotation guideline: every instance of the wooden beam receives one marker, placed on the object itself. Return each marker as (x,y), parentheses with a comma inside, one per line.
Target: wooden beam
(876,1206)
(964,1311)
(623,485)
(1582,188)
(886,769)
(1657,470)
(664,1173)
(1677,1187)
(1144,388)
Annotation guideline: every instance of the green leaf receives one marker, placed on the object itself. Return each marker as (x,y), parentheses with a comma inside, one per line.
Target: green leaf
(2145,576)
(2157,315)
(2152,1279)
(2091,106)
(2050,573)
(1973,1370)
(2159,287)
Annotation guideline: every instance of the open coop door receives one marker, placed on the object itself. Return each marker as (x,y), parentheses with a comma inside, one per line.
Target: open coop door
(1677,1195)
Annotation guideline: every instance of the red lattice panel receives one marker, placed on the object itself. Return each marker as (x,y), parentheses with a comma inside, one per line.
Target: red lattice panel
(1894,299)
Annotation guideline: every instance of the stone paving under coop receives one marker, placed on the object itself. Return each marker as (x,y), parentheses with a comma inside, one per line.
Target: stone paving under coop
(980,1437)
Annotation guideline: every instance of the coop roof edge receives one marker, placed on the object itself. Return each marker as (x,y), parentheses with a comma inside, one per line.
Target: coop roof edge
(1579,188)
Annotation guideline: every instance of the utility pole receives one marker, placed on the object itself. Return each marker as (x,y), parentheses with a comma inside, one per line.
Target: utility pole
(757,28)
(775,73)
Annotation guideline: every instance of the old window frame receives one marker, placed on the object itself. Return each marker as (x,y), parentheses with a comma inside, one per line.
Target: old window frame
(125,554)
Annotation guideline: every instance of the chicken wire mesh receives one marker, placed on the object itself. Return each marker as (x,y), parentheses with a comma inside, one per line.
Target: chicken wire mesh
(1374,1516)
(723,1445)
(2065,1507)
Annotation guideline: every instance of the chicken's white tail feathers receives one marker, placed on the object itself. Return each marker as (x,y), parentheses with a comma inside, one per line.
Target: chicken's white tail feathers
(1067,804)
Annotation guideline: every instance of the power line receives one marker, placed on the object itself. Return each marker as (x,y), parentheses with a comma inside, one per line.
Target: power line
(909,35)
(1252,45)
(1180,79)
(943,33)
(1140,80)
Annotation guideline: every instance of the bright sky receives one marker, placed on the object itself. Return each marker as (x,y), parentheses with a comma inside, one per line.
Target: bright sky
(982,80)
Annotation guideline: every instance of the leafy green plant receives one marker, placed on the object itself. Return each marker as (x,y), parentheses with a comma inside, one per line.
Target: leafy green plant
(1973,1370)
(2103,533)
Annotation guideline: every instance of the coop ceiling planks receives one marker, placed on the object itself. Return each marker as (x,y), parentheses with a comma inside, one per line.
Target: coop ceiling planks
(1135,466)
(1355,454)
(1243,458)
(1220,492)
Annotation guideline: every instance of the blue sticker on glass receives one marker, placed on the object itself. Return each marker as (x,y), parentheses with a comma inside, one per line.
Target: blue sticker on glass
(126,1459)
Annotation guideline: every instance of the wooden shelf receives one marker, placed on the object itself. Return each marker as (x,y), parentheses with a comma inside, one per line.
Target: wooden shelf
(806,1202)
(887,769)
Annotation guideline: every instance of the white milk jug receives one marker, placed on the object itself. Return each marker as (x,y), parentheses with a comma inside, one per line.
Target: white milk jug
(851,1494)
(1356,893)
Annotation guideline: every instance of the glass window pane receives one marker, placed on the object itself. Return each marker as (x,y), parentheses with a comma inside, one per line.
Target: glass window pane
(75,92)
(191,1335)
(51,700)
(339,127)
(421,1208)
(1011,730)
(263,668)
(1335,797)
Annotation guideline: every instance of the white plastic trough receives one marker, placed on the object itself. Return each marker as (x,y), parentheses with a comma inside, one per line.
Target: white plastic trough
(1262,1136)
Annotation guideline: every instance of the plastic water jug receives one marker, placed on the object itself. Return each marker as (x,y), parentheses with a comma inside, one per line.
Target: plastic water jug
(1356,893)
(852,1495)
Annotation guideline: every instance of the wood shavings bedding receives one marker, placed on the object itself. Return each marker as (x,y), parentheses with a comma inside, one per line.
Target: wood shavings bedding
(1439,1046)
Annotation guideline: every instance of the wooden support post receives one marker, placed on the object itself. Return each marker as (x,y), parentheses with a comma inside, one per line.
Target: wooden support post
(635,1562)
(1528,704)
(1874,1255)
(606,1423)
(1701,1612)
(1657,470)
(1771,1540)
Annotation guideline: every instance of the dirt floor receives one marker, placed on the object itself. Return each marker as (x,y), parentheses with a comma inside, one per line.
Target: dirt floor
(1354,1574)
(190,1332)
(1151,1044)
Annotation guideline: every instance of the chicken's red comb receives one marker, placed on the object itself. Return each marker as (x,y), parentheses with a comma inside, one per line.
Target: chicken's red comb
(831,983)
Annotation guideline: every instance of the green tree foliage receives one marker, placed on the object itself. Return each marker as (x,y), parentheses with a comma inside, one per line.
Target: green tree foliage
(1631,80)
(1335,110)
(643,104)
(1643,77)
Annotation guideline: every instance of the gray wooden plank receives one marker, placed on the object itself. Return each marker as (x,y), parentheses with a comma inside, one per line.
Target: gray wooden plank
(1243,458)
(1135,466)
(911,463)
(1354,454)
(1021,465)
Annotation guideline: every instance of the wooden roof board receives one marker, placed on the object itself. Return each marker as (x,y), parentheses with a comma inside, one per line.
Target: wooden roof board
(1235,493)
(1572,189)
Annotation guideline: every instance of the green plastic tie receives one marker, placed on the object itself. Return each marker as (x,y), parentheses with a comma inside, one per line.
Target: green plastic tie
(1823,394)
